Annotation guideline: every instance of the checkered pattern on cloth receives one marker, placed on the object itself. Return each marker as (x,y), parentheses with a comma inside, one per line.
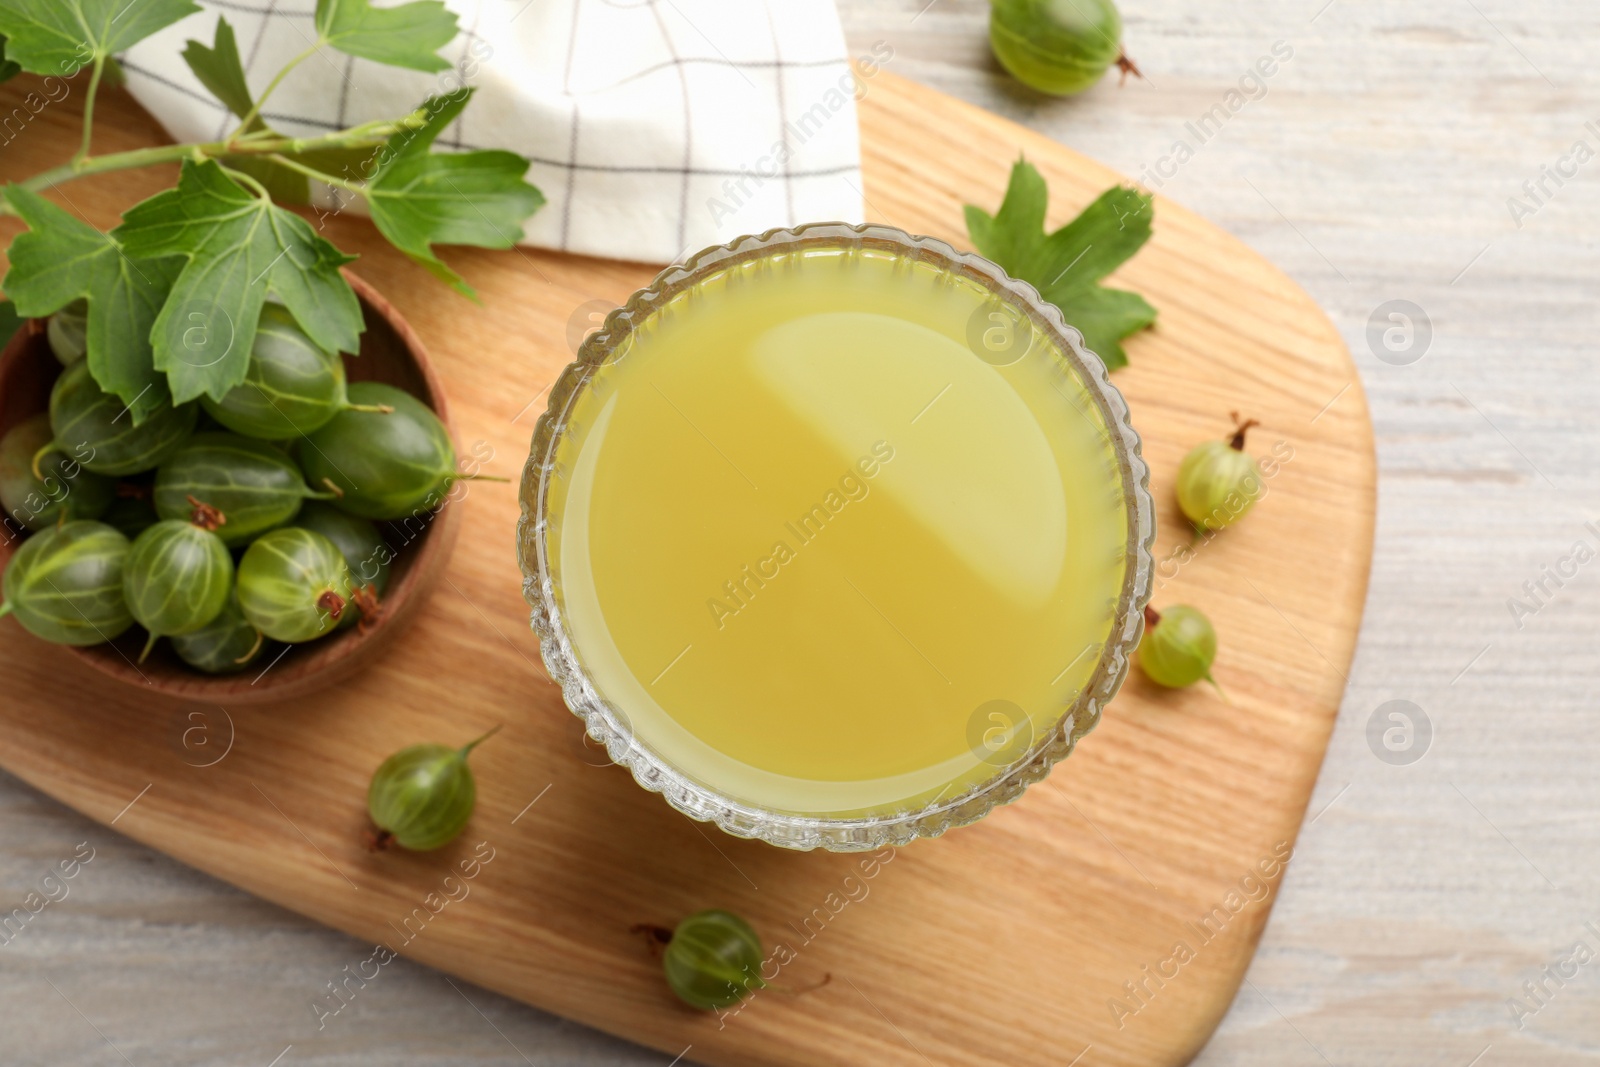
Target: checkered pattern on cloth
(656,127)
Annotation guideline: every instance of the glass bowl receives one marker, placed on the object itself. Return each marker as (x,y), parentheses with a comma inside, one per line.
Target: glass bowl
(610,724)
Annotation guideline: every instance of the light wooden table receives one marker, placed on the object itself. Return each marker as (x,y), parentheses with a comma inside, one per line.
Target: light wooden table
(1375,167)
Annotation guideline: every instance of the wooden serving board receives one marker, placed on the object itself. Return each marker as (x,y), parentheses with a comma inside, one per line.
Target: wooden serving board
(1009,942)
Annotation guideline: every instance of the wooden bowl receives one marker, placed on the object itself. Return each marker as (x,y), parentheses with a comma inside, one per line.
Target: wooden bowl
(391,353)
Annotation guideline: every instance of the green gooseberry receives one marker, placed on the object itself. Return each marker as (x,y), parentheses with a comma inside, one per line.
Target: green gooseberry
(364,550)
(713,960)
(226,644)
(65,584)
(421,797)
(291,387)
(1218,482)
(177,579)
(1178,647)
(97,429)
(68,332)
(254,484)
(1058,46)
(65,488)
(383,466)
(293,585)
(131,511)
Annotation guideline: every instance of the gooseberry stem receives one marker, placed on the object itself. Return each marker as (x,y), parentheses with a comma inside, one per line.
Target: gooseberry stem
(338,494)
(372,409)
(660,936)
(38,472)
(802,991)
(5,609)
(148,645)
(1239,430)
(466,749)
(205,516)
(248,656)
(365,598)
(482,478)
(1128,66)
(1152,617)
(332,603)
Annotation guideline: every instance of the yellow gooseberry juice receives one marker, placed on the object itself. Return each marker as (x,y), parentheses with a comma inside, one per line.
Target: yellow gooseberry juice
(840,532)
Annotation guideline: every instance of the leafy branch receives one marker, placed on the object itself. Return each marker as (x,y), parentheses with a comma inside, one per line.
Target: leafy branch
(213,250)
(267,144)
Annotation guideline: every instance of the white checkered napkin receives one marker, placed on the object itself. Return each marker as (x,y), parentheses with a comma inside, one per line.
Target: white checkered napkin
(656,127)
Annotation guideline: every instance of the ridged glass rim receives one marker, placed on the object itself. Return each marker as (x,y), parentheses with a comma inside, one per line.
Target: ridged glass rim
(783,829)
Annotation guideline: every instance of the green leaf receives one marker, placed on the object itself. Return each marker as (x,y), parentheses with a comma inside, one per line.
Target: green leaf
(63,36)
(61,259)
(239,248)
(406,36)
(8,69)
(220,70)
(10,322)
(1105,316)
(1066,266)
(419,199)
(440,112)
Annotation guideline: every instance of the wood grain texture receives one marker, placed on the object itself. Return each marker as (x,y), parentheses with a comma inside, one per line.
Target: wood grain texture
(1390,145)
(1381,161)
(1010,942)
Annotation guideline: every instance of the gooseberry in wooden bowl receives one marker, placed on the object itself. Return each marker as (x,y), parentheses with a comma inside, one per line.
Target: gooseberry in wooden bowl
(419,545)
